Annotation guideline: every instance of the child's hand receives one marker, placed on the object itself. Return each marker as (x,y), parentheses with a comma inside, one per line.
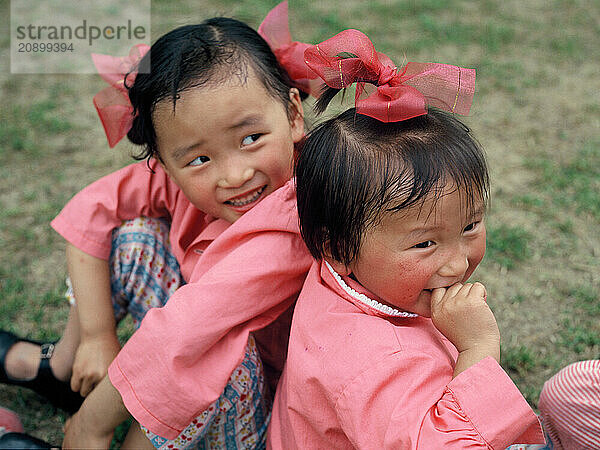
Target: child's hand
(92,359)
(461,313)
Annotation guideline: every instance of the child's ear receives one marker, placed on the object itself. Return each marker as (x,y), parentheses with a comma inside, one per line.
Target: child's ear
(297,114)
(341,268)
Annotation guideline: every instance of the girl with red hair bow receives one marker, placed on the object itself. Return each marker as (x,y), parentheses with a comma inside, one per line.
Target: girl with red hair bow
(217,117)
(391,347)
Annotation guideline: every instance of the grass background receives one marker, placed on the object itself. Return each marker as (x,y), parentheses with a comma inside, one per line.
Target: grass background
(536,112)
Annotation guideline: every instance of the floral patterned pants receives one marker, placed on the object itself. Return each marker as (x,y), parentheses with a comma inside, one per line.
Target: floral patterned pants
(144,275)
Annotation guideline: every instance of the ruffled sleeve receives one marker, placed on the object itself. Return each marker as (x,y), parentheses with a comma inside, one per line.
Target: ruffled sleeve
(405,403)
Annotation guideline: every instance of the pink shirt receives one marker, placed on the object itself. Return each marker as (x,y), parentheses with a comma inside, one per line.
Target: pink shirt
(181,358)
(360,376)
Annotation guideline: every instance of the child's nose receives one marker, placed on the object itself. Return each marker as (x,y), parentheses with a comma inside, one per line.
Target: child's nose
(235,175)
(455,267)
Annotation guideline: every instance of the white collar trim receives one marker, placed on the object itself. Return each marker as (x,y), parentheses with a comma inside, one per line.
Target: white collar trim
(362,298)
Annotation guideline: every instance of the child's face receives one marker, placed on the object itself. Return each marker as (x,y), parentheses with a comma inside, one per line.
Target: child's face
(228,146)
(421,248)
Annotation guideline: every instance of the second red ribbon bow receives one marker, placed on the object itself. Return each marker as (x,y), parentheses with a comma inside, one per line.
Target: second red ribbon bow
(400,94)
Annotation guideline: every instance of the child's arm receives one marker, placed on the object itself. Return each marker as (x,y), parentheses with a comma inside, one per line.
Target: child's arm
(94,424)
(408,401)
(461,313)
(87,222)
(413,397)
(98,344)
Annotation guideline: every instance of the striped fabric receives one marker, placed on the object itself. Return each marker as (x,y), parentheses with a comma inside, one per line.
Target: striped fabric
(570,406)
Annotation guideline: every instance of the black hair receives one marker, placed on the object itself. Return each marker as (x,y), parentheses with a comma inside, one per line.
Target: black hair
(197,55)
(352,169)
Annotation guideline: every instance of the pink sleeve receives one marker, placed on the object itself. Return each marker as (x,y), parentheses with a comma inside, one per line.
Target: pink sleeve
(405,403)
(181,358)
(90,216)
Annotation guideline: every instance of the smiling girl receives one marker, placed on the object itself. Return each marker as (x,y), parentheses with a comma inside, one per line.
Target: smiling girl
(217,118)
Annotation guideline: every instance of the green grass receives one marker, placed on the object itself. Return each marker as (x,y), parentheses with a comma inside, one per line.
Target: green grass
(574,185)
(506,76)
(43,115)
(519,359)
(517,298)
(11,289)
(492,36)
(579,338)
(581,329)
(14,133)
(507,246)
(529,201)
(587,299)
(28,125)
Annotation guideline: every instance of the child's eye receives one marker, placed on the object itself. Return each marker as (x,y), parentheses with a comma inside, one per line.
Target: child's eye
(424,244)
(471,226)
(251,139)
(199,161)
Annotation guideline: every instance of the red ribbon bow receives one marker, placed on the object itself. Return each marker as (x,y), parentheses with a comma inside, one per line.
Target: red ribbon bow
(275,30)
(112,103)
(350,57)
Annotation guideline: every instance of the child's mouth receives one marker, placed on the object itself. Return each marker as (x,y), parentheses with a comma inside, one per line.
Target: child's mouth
(247,198)
(430,290)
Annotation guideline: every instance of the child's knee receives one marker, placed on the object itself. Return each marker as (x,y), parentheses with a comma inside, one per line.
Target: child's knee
(572,385)
(144,271)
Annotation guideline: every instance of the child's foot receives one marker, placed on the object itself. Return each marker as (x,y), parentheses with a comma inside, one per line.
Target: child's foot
(28,364)
(23,361)
(23,441)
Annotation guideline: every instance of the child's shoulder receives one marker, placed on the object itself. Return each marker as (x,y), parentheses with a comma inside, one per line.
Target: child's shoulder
(135,171)
(338,337)
(285,194)
(349,354)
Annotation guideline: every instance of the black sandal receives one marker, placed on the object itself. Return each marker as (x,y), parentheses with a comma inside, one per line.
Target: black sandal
(22,441)
(58,392)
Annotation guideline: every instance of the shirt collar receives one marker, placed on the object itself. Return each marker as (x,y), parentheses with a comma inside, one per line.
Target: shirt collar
(358,295)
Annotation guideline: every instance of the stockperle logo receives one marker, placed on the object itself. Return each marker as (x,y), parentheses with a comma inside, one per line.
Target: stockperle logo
(59,36)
